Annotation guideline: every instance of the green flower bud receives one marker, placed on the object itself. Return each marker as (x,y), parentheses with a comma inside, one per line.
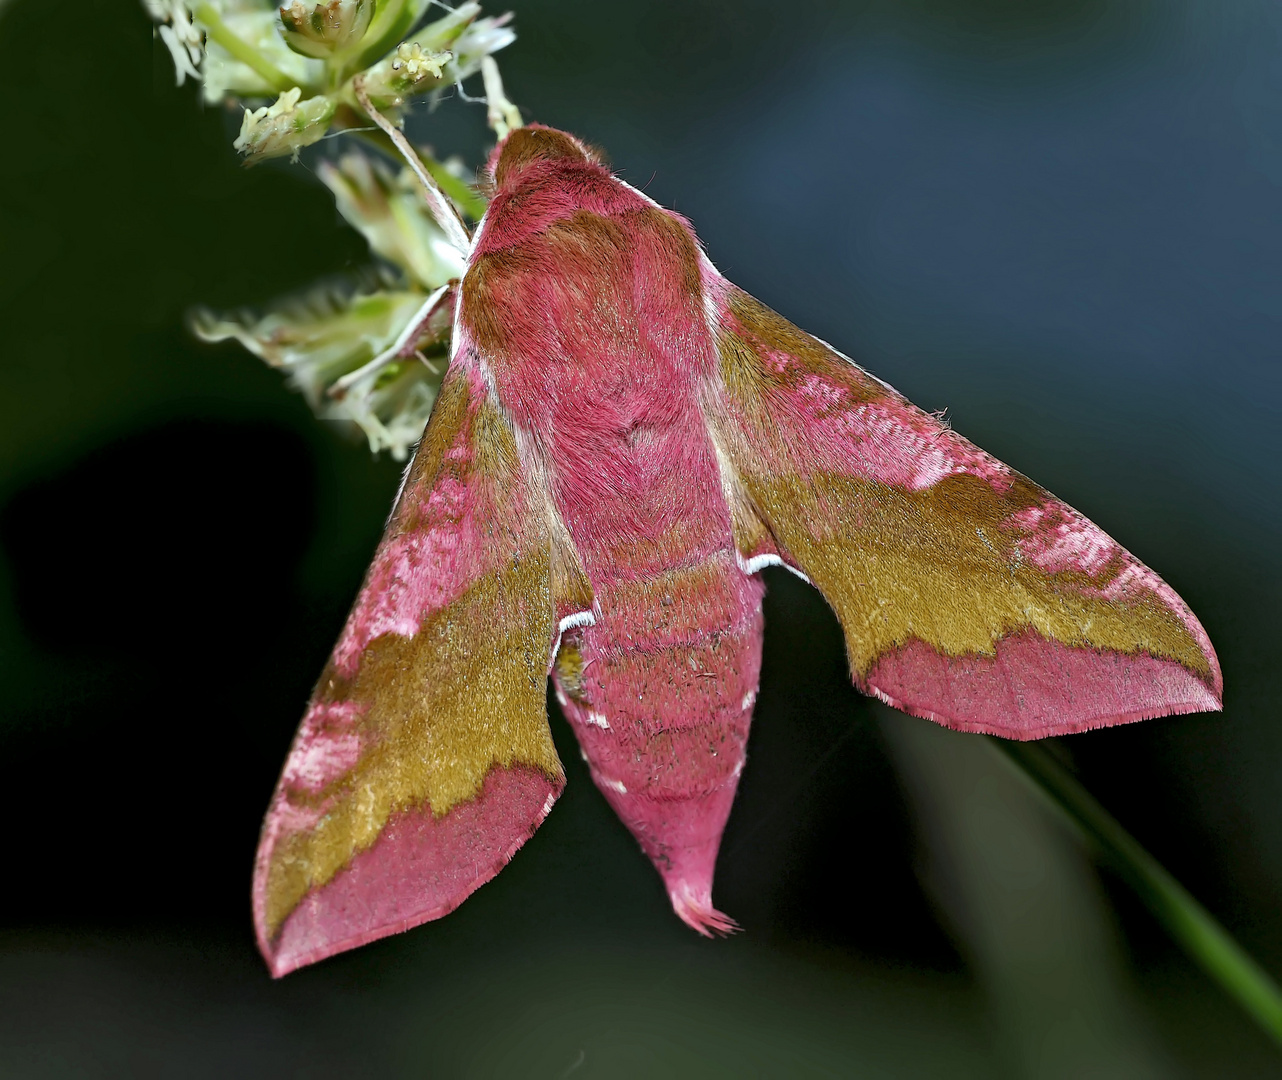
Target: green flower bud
(321,29)
(391,397)
(390,213)
(284,127)
(381,335)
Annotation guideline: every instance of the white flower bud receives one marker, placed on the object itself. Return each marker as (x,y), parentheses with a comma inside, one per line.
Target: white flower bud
(408,71)
(180,35)
(482,38)
(285,126)
(417,64)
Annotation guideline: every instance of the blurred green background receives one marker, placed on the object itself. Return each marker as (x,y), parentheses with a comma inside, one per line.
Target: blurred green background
(1060,220)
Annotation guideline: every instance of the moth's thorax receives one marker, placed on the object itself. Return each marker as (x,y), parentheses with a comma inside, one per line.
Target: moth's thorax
(586,302)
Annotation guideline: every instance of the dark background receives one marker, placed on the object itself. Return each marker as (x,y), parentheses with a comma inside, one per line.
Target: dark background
(1060,220)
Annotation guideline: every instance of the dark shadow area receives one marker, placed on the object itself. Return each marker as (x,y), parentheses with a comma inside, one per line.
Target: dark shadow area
(819,849)
(167,562)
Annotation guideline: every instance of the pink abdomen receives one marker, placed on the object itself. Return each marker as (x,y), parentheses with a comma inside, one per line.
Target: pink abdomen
(660,690)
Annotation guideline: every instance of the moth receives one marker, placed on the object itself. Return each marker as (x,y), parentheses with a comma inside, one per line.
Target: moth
(622,441)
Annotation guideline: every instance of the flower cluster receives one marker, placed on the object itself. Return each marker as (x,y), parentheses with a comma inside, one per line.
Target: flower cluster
(314,51)
(370,351)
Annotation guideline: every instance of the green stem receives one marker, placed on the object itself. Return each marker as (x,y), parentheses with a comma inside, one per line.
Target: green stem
(1192,926)
(244,52)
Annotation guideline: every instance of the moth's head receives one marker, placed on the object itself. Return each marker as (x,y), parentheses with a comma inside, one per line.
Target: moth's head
(530,145)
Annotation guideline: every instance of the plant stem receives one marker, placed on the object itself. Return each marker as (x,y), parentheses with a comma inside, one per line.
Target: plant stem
(441,207)
(244,52)
(1187,921)
(463,194)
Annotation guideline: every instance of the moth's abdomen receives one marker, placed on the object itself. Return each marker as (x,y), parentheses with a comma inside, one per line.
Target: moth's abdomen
(660,695)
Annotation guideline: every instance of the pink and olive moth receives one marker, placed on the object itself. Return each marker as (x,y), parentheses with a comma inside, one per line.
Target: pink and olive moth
(622,441)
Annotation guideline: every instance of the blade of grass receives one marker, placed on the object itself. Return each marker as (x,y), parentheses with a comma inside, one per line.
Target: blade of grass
(1188,922)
